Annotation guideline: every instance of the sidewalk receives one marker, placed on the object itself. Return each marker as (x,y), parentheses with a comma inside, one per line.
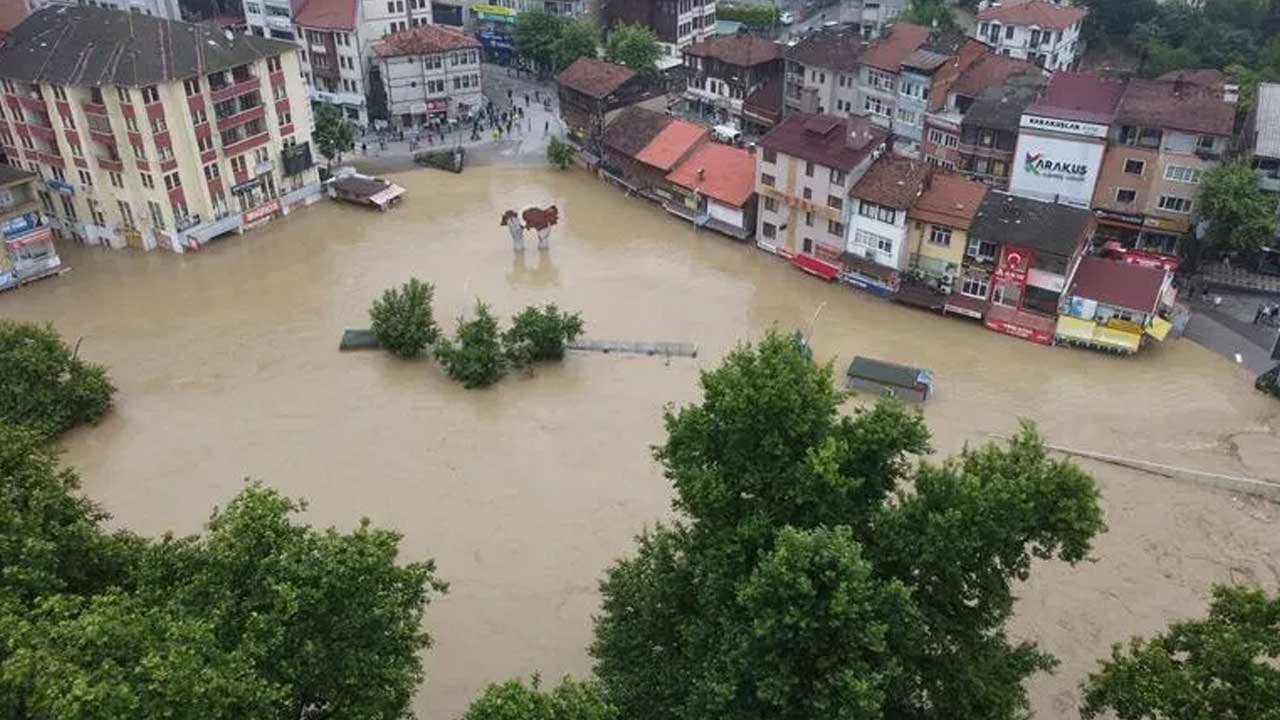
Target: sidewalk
(1231,277)
(1227,328)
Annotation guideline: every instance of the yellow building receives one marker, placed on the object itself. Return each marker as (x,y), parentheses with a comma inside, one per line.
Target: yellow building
(938,229)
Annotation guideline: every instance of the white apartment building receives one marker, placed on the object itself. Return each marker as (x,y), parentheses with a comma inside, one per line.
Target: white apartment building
(270,18)
(878,218)
(429,73)
(822,72)
(167,9)
(870,17)
(207,134)
(1045,33)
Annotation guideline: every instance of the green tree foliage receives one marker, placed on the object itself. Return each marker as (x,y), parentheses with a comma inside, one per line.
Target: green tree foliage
(1224,666)
(540,334)
(536,36)
(755,17)
(577,39)
(402,319)
(820,569)
(333,134)
(929,12)
(1240,216)
(259,617)
(514,700)
(46,386)
(634,46)
(474,358)
(376,98)
(560,153)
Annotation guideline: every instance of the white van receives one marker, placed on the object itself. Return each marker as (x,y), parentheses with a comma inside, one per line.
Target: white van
(727,134)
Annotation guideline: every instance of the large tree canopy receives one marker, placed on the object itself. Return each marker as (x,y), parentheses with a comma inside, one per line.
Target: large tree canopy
(819,569)
(634,46)
(46,386)
(1241,217)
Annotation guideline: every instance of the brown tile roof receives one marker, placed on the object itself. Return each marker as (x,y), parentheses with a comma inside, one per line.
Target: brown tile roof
(893,181)
(12,12)
(1034,12)
(326,14)
(822,139)
(633,128)
(1116,283)
(949,199)
(1204,77)
(1080,96)
(672,143)
(728,174)
(423,40)
(989,70)
(889,52)
(595,78)
(832,48)
(1176,106)
(766,102)
(740,50)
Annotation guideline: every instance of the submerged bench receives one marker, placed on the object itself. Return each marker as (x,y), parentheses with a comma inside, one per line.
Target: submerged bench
(358,339)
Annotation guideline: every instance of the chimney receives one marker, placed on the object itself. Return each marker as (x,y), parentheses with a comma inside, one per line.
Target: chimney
(701,173)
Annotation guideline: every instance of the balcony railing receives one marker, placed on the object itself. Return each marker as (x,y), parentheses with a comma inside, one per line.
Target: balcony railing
(113,164)
(240,118)
(235,89)
(247,144)
(91,108)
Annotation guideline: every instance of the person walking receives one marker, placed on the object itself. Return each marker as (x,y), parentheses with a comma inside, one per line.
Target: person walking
(546,126)
(364,149)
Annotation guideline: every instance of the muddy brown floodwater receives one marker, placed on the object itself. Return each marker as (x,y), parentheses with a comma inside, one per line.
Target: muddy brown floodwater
(227,366)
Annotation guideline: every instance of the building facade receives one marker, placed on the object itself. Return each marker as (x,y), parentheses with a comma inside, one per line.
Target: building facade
(881,65)
(822,72)
(167,9)
(939,228)
(1264,140)
(430,73)
(723,71)
(1044,33)
(26,240)
(590,90)
(869,18)
(877,228)
(677,23)
(167,152)
(983,76)
(270,18)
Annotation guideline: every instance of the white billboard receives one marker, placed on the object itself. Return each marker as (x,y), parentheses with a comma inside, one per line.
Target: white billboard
(1056,170)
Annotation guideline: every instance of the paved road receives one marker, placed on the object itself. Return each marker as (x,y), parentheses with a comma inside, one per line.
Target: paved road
(1224,323)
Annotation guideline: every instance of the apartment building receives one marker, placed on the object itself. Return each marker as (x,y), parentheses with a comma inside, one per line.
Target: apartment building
(876,250)
(722,72)
(430,73)
(270,18)
(1045,33)
(870,17)
(805,169)
(987,142)
(1165,136)
(879,75)
(168,9)
(822,72)
(958,87)
(677,23)
(920,75)
(939,233)
(26,240)
(207,134)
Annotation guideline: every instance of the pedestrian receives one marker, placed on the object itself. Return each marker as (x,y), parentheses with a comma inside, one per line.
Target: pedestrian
(382,144)
(546,126)
(526,99)
(537,95)
(508,127)
(364,149)
(495,134)
(1260,312)
(508,94)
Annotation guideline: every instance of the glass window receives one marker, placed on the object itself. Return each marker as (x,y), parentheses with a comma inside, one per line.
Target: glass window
(1134,167)
(940,235)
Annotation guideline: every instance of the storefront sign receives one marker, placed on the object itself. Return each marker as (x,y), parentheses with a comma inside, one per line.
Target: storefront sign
(18,225)
(1069,127)
(59,186)
(1167,225)
(1118,217)
(245,186)
(434,106)
(263,210)
(1044,337)
(263,168)
(1056,169)
(496,40)
(1151,260)
(1046,280)
(1015,264)
(494,13)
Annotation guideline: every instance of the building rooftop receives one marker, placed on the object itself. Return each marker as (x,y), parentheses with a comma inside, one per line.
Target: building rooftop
(595,78)
(1000,107)
(949,199)
(325,14)
(831,48)
(424,40)
(1049,228)
(671,143)
(12,13)
(1266,123)
(925,61)
(1176,105)
(988,71)
(74,45)
(1080,96)
(1034,12)
(1205,77)
(633,128)
(766,101)
(892,181)
(740,50)
(901,40)
(1117,283)
(827,140)
(10,175)
(722,172)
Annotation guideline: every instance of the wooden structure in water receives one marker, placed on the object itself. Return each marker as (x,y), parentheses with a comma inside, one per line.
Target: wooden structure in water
(624,347)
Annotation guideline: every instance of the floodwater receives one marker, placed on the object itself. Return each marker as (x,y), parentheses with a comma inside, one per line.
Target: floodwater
(227,366)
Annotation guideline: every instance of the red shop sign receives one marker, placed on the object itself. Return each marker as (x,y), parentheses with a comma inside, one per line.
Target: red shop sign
(1036,335)
(261,211)
(1015,263)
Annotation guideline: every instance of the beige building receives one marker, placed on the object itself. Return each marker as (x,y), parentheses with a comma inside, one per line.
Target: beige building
(939,227)
(430,73)
(203,133)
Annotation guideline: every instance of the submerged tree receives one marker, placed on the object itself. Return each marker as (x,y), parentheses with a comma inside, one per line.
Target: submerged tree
(46,385)
(474,358)
(402,318)
(540,334)
(560,153)
(818,569)
(514,700)
(333,132)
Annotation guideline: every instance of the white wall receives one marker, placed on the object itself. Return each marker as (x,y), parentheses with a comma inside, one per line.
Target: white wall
(897,232)
(1069,188)
(725,213)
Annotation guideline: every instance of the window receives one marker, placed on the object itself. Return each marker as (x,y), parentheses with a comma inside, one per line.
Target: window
(807,193)
(122,93)
(769,230)
(68,207)
(937,137)
(273,64)
(253,8)
(807,247)
(1177,173)
(96,213)
(204,143)
(981,250)
(835,202)
(150,94)
(835,228)
(211,172)
(158,124)
(67,120)
(198,116)
(906,117)
(808,168)
(192,86)
(59,93)
(139,152)
(58,174)
(940,235)
(126,214)
(875,106)
(147,182)
(285,118)
(766,179)
(7,85)
(86,179)
(1206,142)
(770,204)
(837,177)
(238,165)
(1125,196)
(873,241)
(1173,203)
(975,286)
(157,214)
(877,212)
(1134,167)
(117,180)
(278,92)
(1008,32)
(130,123)
(76,150)
(808,219)
(880,80)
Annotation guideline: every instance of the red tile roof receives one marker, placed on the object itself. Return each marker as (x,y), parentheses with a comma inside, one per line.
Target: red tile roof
(740,50)
(326,14)
(595,78)
(822,139)
(728,173)
(949,199)
(423,40)
(902,40)
(1034,12)
(893,181)
(672,143)
(1178,106)
(1079,96)
(1116,283)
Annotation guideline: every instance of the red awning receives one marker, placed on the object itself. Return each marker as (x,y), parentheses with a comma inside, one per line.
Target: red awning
(815,266)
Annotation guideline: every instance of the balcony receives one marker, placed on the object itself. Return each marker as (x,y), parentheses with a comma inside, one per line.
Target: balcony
(91,108)
(245,145)
(240,118)
(987,151)
(51,159)
(109,163)
(31,103)
(43,132)
(235,89)
(335,98)
(102,135)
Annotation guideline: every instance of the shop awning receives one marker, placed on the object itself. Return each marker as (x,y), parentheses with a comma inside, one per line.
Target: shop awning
(382,197)
(1159,328)
(1121,339)
(1074,328)
(1087,332)
(815,266)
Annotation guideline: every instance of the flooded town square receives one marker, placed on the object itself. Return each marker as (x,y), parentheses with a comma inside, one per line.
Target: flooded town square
(227,367)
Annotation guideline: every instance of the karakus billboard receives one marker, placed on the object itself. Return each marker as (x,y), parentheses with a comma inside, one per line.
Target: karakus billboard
(1055,169)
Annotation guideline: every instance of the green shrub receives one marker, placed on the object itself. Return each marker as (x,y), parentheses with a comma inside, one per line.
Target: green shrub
(402,319)
(540,334)
(475,356)
(45,386)
(559,153)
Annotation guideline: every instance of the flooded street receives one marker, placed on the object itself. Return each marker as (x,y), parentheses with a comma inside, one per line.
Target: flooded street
(227,367)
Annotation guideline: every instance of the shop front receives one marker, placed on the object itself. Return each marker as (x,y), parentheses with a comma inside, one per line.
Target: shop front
(1162,235)
(1017,305)
(1118,227)
(29,253)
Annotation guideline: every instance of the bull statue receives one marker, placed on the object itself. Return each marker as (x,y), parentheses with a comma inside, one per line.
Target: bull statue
(540,220)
